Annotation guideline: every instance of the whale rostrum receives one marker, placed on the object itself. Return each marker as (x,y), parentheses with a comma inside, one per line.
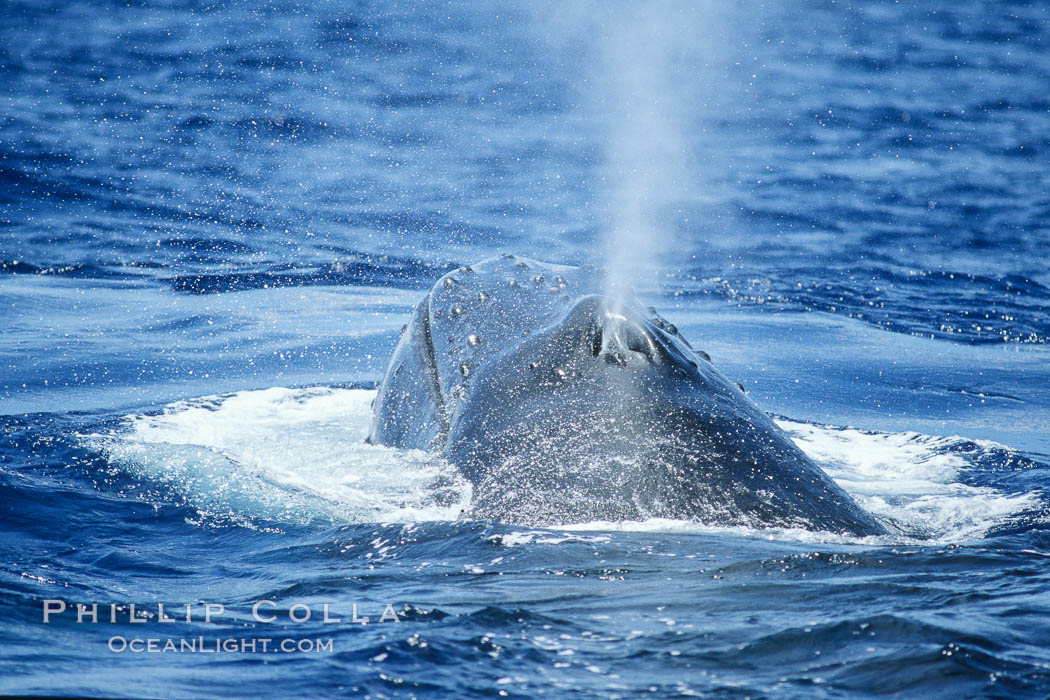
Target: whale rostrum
(561,405)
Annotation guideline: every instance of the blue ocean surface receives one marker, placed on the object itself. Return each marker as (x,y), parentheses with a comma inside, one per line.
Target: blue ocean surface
(216,217)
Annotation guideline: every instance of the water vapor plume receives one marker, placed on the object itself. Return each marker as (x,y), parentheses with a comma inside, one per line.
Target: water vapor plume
(646,72)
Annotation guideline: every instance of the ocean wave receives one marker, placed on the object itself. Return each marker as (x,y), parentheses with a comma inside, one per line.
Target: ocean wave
(955,306)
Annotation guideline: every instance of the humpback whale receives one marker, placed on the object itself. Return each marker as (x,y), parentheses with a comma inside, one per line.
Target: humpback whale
(561,404)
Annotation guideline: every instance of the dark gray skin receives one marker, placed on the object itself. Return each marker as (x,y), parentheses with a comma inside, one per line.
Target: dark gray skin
(560,406)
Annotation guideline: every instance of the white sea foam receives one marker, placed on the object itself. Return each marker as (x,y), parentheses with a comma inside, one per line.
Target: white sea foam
(286,454)
(299,455)
(515,539)
(910,480)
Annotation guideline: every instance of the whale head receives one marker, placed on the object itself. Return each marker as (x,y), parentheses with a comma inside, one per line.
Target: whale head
(563,404)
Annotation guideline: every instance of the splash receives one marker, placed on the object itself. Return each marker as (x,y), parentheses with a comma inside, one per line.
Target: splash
(288,455)
(299,456)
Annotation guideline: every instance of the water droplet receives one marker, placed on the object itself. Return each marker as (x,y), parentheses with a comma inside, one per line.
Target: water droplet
(457,309)
(449,282)
(466,269)
(507,256)
(512,283)
(560,281)
(460,392)
(538,280)
(562,374)
(522,266)
(483,297)
(472,340)
(404,328)
(741,387)
(534,365)
(703,354)
(658,322)
(464,369)
(672,329)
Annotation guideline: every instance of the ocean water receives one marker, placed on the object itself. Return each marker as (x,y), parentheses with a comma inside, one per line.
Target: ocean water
(215,218)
